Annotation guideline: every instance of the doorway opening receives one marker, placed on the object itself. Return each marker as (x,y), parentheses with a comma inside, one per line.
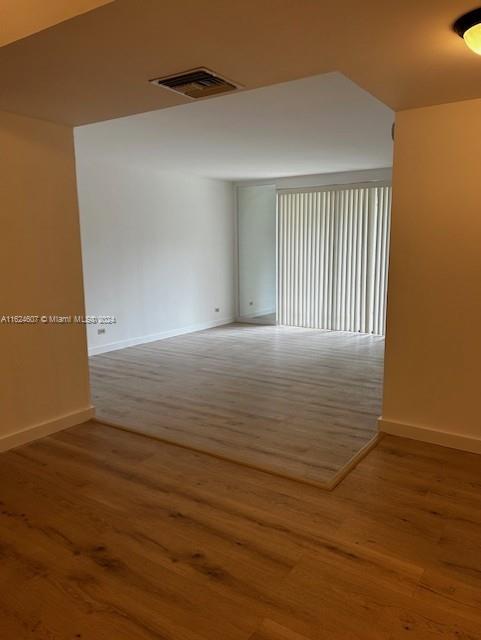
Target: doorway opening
(250,308)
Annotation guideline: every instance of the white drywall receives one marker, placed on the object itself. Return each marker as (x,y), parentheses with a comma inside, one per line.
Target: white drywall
(44,373)
(158,250)
(314,125)
(433,349)
(257,250)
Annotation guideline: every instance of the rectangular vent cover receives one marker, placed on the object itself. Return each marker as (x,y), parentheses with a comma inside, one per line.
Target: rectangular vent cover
(197,83)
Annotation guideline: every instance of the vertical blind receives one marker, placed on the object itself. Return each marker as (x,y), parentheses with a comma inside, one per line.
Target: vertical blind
(333,250)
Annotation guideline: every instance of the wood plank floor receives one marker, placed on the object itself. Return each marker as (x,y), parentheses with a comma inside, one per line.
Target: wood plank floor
(106,535)
(292,401)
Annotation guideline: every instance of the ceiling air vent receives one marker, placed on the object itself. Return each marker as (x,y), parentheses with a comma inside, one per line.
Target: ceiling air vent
(197,83)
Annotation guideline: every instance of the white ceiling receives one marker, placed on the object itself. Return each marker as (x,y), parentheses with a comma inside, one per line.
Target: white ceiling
(321,124)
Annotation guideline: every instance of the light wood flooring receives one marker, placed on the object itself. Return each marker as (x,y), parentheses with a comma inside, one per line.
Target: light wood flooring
(107,535)
(298,402)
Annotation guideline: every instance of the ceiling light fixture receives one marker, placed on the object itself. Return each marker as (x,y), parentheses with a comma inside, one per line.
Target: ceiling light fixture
(469,28)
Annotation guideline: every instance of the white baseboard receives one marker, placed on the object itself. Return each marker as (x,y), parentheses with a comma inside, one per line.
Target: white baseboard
(433,436)
(132,342)
(256,314)
(43,429)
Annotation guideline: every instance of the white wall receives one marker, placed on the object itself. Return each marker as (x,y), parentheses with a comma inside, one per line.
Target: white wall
(158,250)
(433,344)
(44,372)
(257,250)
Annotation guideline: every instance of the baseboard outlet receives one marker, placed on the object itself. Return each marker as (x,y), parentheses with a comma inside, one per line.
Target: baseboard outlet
(132,342)
(433,436)
(46,428)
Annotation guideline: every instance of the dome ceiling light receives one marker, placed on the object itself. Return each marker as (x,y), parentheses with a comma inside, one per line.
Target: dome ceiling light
(468,27)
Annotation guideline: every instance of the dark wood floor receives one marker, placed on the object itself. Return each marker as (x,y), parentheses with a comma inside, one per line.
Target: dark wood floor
(298,402)
(106,535)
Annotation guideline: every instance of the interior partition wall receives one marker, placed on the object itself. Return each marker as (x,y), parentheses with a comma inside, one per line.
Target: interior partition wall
(256,236)
(332,258)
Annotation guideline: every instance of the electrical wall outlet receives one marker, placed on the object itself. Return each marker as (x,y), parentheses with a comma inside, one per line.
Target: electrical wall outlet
(251,304)
(217,309)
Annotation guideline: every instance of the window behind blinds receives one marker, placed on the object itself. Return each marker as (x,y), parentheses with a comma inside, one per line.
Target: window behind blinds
(333,250)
